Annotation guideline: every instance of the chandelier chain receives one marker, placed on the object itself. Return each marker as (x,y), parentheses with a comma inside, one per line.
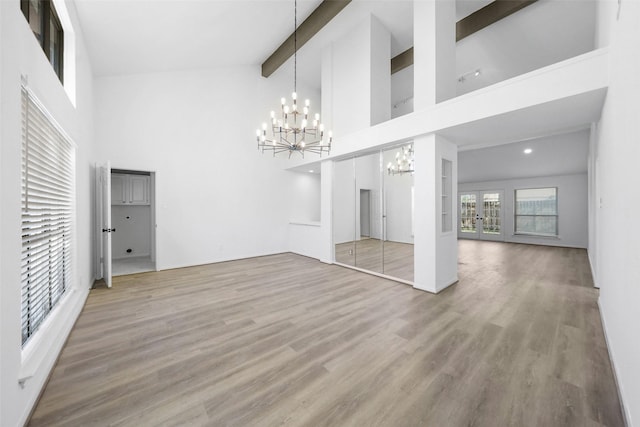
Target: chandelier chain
(294,128)
(295,45)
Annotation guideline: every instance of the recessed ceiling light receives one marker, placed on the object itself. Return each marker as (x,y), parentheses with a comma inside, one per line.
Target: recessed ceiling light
(528,151)
(310,170)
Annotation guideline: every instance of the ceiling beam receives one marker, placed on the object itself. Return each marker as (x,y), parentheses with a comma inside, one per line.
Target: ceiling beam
(320,17)
(402,61)
(482,18)
(490,14)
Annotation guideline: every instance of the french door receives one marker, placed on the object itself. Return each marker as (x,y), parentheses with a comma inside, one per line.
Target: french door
(481,215)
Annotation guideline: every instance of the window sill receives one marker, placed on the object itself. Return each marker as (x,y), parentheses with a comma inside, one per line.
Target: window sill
(34,353)
(543,236)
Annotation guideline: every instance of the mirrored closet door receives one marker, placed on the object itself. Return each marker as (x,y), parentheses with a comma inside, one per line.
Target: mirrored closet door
(373,212)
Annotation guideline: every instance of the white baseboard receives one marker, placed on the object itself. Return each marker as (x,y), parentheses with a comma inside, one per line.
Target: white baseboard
(625,414)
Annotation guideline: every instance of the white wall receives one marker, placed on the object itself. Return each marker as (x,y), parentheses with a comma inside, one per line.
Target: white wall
(397,194)
(357,69)
(305,197)
(21,55)
(616,202)
(402,92)
(133,231)
(304,230)
(305,239)
(217,197)
(572,208)
(343,202)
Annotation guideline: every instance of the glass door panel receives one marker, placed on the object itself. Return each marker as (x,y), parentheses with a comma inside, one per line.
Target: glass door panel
(468,215)
(490,214)
(481,215)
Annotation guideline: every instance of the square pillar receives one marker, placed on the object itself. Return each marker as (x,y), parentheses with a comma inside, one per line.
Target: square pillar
(435,213)
(356,79)
(326,211)
(434,52)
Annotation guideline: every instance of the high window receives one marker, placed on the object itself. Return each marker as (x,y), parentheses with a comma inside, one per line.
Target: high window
(45,24)
(48,164)
(536,211)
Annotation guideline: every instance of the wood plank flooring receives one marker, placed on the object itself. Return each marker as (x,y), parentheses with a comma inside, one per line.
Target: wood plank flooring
(393,258)
(287,340)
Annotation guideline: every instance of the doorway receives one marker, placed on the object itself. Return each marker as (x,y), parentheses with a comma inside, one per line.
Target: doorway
(481,215)
(365,213)
(133,218)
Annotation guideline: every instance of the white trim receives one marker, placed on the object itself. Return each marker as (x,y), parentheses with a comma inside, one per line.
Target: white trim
(373,273)
(626,415)
(45,111)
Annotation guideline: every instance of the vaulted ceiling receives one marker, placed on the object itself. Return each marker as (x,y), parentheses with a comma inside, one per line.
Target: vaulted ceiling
(131,37)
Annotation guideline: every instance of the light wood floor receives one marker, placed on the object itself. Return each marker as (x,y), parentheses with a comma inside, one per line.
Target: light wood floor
(393,258)
(286,340)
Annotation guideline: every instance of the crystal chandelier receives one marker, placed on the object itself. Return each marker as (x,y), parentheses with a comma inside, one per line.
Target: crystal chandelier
(403,162)
(292,129)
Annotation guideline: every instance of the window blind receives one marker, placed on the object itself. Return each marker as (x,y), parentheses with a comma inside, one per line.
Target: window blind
(47,213)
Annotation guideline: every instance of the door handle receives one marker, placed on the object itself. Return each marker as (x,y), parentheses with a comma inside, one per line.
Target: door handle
(108,230)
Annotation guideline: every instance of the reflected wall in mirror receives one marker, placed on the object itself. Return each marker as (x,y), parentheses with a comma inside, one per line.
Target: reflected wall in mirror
(344,206)
(373,214)
(398,216)
(368,239)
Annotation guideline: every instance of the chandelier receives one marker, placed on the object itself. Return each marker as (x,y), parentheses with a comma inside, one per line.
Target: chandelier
(292,129)
(403,162)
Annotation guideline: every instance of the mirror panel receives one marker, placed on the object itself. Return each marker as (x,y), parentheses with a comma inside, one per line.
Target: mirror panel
(398,213)
(344,207)
(368,214)
(373,212)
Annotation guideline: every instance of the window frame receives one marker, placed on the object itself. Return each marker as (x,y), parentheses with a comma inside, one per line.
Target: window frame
(517,232)
(48,223)
(48,16)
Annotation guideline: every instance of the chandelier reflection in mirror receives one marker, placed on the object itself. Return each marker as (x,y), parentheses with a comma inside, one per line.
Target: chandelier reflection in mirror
(403,162)
(294,130)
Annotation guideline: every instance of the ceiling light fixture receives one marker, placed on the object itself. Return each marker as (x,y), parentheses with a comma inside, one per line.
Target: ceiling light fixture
(292,130)
(475,73)
(403,163)
(528,151)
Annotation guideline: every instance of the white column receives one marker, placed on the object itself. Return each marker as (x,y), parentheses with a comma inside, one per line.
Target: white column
(434,52)
(424,178)
(435,250)
(357,73)
(326,211)
(380,72)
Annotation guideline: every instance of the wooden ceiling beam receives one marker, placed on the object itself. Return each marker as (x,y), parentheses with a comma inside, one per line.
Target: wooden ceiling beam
(490,14)
(320,17)
(482,18)
(402,61)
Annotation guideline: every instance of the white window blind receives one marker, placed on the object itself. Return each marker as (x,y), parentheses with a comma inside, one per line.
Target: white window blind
(536,211)
(48,159)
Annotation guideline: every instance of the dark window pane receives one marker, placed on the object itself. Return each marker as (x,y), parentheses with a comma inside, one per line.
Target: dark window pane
(35,19)
(55,44)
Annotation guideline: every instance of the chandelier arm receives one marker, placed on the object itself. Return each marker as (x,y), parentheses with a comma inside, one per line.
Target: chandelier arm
(288,135)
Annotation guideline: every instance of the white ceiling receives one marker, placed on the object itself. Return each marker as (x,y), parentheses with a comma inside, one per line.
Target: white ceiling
(136,36)
(553,155)
(143,36)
